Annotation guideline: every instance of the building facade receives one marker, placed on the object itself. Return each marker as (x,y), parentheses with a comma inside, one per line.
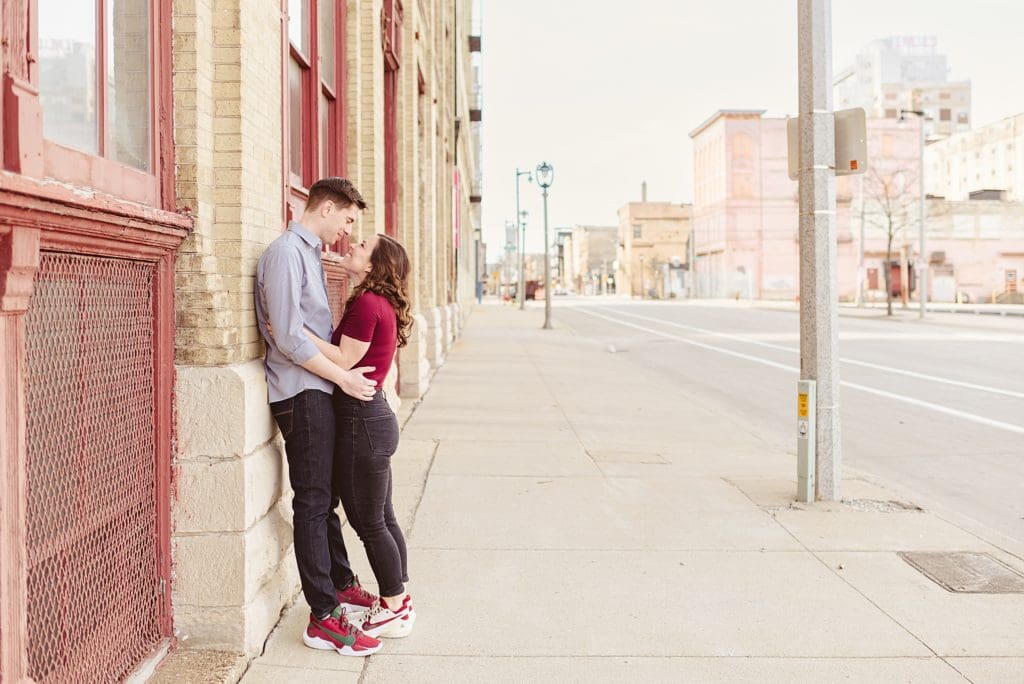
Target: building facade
(652,248)
(746,219)
(906,72)
(990,158)
(152,149)
(590,253)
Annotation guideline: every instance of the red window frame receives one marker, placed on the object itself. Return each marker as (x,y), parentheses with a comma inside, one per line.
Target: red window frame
(154,187)
(312,88)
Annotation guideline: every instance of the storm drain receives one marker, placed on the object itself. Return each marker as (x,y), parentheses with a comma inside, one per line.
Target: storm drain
(967,573)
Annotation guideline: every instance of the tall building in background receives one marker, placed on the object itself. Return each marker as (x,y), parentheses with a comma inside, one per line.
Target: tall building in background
(906,72)
(984,163)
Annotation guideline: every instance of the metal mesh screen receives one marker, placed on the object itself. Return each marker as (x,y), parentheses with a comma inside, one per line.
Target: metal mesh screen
(93,579)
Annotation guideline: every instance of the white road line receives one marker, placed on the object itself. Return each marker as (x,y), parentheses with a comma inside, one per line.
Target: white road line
(974,418)
(852,362)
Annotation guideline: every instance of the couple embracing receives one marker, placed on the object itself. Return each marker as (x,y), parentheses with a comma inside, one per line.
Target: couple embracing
(326,394)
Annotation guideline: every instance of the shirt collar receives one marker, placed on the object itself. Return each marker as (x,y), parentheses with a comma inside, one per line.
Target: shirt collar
(307,237)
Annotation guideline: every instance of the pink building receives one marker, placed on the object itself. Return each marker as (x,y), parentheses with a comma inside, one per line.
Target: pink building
(746,218)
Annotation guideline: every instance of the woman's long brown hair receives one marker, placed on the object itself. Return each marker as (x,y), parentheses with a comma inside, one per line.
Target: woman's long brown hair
(389,278)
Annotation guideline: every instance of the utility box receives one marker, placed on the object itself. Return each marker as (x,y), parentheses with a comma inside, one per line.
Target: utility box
(851,143)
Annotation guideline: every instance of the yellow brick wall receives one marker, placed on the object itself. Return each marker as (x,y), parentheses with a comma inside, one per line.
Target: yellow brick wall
(228,134)
(228,144)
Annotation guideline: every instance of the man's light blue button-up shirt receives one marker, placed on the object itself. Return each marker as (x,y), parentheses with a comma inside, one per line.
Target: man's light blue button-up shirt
(291,294)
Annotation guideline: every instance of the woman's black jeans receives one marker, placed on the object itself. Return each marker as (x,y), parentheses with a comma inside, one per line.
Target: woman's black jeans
(367,437)
(307,425)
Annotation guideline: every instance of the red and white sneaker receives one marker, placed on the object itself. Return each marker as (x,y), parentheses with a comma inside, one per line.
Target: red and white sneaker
(336,633)
(355,599)
(381,622)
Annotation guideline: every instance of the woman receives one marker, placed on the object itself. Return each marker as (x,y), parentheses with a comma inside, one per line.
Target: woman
(376,322)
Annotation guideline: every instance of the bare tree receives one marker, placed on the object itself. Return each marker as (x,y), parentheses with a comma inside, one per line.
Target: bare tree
(888,205)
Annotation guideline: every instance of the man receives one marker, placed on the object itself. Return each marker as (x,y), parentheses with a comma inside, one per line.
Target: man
(291,294)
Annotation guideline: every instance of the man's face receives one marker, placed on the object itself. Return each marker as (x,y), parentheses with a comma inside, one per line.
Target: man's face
(337,220)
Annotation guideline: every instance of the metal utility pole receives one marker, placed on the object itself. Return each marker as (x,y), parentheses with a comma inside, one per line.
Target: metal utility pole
(521,289)
(923,295)
(818,282)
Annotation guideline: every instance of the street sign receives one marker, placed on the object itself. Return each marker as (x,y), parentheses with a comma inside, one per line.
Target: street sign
(851,143)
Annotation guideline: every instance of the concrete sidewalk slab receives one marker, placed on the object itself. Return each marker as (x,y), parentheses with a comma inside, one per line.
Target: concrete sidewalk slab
(615,670)
(951,624)
(525,513)
(650,603)
(523,459)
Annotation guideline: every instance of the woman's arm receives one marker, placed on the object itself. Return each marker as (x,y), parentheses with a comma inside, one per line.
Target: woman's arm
(327,349)
(346,354)
(351,350)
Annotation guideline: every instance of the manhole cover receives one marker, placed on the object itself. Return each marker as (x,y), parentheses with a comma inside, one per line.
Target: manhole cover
(967,573)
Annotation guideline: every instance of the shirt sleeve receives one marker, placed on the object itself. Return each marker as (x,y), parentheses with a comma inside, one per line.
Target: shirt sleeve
(282,291)
(361,319)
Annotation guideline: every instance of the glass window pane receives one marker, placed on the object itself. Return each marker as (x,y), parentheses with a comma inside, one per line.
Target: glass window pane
(298,25)
(327,137)
(295,117)
(68,73)
(129,106)
(326,45)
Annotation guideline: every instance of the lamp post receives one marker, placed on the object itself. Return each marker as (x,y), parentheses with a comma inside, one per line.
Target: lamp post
(545,176)
(520,224)
(923,294)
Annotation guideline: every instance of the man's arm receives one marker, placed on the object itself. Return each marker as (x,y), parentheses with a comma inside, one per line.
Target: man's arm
(282,290)
(351,382)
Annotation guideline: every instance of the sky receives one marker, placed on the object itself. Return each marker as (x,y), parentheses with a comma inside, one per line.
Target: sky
(607,92)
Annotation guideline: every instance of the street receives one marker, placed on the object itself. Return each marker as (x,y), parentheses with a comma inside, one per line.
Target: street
(936,407)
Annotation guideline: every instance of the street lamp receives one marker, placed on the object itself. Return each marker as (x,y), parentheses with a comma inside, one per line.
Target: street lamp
(545,176)
(521,225)
(923,295)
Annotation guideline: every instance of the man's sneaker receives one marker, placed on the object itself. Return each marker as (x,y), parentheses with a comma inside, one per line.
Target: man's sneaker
(381,622)
(335,632)
(355,599)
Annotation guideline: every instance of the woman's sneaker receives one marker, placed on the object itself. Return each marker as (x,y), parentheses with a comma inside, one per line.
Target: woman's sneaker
(335,632)
(381,622)
(355,599)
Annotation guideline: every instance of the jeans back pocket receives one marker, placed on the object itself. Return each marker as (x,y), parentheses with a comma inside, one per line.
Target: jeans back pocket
(382,433)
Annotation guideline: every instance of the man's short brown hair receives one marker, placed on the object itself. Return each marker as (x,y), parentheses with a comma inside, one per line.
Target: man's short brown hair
(338,190)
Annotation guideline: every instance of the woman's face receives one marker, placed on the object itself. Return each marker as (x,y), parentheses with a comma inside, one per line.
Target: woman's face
(358,261)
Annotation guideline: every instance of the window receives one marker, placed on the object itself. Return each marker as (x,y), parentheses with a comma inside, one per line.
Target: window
(98,92)
(891,113)
(944,96)
(945,115)
(315,147)
(637,231)
(94,78)
(890,96)
(961,117)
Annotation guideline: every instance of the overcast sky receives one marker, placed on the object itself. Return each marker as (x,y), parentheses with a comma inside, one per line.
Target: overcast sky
(608,91)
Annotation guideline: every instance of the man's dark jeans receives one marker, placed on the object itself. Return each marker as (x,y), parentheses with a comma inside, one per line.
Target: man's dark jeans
(367,438)
(307,425)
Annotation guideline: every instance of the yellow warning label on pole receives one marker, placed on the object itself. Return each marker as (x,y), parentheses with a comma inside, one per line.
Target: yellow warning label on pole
(801,405)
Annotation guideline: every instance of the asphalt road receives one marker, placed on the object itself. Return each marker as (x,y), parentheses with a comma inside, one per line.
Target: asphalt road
(935,406)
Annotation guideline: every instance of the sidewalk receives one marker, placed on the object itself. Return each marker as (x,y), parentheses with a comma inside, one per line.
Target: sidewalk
(571,518)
